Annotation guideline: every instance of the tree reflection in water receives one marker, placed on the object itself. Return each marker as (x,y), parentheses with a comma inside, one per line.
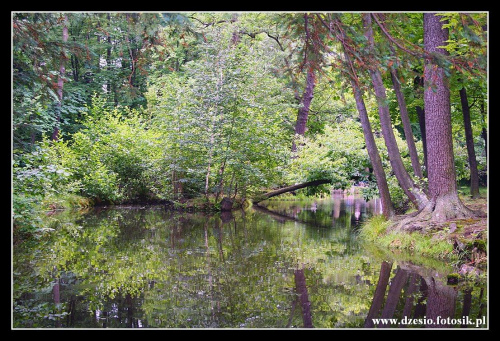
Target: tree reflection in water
(283,265)
(436,301)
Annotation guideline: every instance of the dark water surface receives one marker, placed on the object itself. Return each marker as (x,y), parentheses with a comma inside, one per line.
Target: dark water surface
(287,264)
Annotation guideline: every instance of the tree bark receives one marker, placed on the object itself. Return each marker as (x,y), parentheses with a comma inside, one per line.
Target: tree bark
(371,147)
(469,139)
(373,153)
(415,194)
(378,296)
(303,114)
(412,149)
(421,122)
(445,203)
(290,189)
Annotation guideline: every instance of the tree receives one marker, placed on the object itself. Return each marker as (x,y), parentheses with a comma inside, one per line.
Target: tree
(405,120)
(415,194)
(387,207)
(310,62)
(474,177)
(444,202)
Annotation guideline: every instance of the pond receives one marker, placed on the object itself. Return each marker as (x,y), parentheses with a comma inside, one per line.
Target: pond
(282,264)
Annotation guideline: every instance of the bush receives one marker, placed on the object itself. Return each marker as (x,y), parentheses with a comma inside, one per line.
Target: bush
(39,179)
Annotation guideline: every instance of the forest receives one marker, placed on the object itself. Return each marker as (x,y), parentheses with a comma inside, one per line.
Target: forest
(216,112)
(143,107)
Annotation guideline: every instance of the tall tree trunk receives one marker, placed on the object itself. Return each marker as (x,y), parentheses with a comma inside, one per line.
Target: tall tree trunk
(307,96)
(445,203)
(303,114)
(60,80)
(415,194)
(469,139)
(373,153)
(421,122)
(412,149)
(378,296)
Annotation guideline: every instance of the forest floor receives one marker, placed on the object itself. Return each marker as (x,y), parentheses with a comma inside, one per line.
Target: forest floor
(473,232)
(463,242)
(468,236)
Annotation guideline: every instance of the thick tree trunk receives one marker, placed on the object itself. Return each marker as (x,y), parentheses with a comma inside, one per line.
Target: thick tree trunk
(474,177)
(378,296)
(412,149)
(440,159)
(444,203)
(415,194)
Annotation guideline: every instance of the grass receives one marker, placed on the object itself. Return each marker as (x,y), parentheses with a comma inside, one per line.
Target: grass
(374,230)
(436,244)
(65,201)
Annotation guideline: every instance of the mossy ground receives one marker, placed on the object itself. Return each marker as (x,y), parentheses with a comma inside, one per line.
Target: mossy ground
(458,240)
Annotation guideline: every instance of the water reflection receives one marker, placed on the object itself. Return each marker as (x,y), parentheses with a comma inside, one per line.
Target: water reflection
(280,265)
(424,300)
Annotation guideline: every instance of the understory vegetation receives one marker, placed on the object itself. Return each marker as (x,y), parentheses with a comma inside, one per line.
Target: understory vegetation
(187,109)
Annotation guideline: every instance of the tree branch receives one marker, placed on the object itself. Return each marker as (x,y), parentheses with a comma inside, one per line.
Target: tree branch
(387,34)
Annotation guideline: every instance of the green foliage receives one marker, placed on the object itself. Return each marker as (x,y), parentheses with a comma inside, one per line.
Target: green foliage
(39,179)
(338,154)
(175,106)
(115,155)
(223,118)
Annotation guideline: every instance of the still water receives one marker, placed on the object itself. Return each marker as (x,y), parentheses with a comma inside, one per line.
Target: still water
(284,264)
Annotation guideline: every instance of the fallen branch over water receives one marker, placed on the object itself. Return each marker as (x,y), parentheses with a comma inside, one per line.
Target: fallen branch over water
(290,189)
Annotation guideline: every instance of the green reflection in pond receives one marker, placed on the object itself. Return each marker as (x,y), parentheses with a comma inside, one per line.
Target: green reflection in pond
(151,268)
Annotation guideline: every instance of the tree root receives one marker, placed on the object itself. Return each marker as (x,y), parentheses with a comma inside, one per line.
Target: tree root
(434,214)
